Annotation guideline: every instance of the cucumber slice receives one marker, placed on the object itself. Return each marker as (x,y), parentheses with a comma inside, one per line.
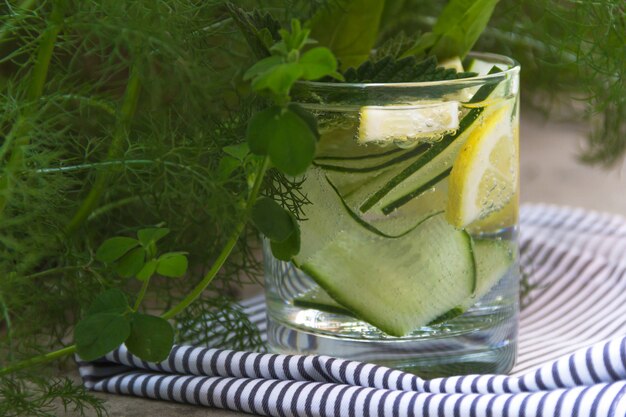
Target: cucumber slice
(319,300)
(493,259)
(371,162)
(396,284)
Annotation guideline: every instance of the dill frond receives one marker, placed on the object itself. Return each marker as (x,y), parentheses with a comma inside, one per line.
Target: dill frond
(45,397)
(220,323)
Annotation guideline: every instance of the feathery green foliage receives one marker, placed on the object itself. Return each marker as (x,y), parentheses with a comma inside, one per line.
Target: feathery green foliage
(42,397)
(117,116)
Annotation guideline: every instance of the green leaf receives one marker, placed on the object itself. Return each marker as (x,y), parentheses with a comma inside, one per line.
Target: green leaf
(114,248)
(152,234)
(262,66)
(271,219)
(279,79)
(227,166)
(407,69)
(147,271)
(259,29)
(305,115)
(131,263)
(317,63)
(290,247)
(261,128)
(173,264)
(292,144)
(349,28)
(239,151)
(109,301)
(458,27)
(98,334)
(151,338)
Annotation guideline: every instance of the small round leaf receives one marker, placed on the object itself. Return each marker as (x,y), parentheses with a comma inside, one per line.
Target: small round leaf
(113,249)
(152,234)
(292,146)
(271,219)
(147,271)
(289,248)
(131,263)
(261,129)
(151,338)
(172,264)
(109,301)
(97,335)
(306,116)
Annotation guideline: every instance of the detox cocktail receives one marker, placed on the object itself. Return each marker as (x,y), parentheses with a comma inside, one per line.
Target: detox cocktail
(409,244)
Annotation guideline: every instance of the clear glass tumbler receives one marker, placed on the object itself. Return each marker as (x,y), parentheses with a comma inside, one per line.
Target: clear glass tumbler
(409,252)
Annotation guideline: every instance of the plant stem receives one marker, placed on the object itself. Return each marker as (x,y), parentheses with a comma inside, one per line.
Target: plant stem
(54,271)
(18,135)
(37,360)
(190,298)
(230,244)
(125,116)
(142,293)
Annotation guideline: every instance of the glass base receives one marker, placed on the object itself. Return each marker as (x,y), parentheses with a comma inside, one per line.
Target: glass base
(488,351)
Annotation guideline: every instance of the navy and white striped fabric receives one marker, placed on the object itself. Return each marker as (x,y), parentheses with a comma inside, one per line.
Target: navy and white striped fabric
(572,359)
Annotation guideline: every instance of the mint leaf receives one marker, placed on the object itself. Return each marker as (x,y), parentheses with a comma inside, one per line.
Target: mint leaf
(272,220)
(262,66)
(458,27)
(173,264)
(131,263)
(317,63)
(151,338)
(349,28)
(98,334)
(278,79)
(109,301)
(114,248)
(409,69)
(292,145)
(259,29)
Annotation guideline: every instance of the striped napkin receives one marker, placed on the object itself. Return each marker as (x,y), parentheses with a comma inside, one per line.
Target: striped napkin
(572,358)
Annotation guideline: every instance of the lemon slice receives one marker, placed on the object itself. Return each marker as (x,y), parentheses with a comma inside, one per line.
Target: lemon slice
(483,179)
(407,123)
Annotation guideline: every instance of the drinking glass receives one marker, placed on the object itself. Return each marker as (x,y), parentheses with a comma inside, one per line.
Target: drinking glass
(409,248)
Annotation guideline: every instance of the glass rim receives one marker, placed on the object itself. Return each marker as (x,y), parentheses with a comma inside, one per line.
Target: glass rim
(512,64)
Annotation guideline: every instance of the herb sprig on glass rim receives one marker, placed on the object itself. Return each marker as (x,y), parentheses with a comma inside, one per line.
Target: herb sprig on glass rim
(127,116)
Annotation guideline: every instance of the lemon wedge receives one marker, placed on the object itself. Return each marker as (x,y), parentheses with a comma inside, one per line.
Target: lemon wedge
(407,123)
(483,179)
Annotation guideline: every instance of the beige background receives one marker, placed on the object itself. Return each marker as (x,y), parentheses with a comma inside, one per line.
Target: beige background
(550,173)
